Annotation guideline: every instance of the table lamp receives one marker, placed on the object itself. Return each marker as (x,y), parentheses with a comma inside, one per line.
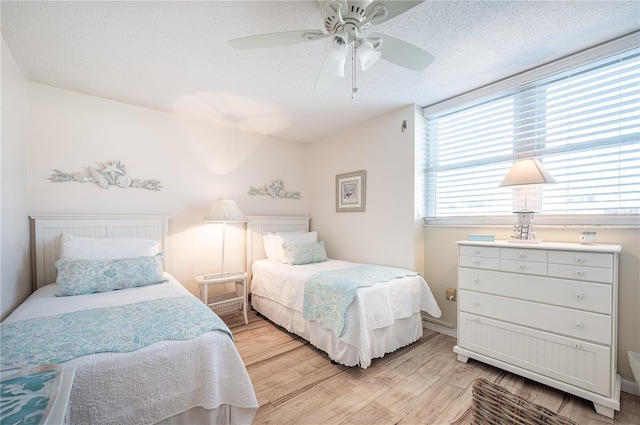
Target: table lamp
(526,172)
(225,210)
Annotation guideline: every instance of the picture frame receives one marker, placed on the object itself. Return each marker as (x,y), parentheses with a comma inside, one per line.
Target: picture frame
(351,191)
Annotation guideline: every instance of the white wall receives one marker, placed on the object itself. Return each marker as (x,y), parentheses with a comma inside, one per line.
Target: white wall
(15,263)
(196,163)
(386,232)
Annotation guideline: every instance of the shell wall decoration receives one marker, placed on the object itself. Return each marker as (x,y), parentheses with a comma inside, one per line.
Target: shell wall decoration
(275,190)
(111,174)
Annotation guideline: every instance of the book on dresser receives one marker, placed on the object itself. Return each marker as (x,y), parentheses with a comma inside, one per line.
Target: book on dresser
(548,312)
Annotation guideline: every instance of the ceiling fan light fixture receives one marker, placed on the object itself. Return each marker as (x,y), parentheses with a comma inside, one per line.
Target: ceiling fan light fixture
(367,55)
(335,67)
(345,22)
(337,46)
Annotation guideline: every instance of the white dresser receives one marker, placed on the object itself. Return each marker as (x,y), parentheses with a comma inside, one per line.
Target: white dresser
(547,311)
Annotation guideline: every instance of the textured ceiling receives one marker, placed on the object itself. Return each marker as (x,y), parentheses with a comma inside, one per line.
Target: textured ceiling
(173,56)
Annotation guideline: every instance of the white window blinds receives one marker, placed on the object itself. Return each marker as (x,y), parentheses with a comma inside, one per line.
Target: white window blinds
(582,124)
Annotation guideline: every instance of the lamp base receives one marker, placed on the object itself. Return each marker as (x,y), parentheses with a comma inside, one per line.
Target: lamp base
(529,241)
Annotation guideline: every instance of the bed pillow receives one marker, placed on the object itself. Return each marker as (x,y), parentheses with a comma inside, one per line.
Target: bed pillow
(293,238)
(79,248)
(78,277)
(275,250)
(267,245)
(305,253)
(270,246)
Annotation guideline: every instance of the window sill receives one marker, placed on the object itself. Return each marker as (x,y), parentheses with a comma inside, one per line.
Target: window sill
(625,221)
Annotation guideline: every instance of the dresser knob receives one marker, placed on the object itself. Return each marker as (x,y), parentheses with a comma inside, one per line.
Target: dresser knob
(578,296)
(476,280)
(579,325)
(576,345)
(522,267)
(476,303)
(476,262)
(579,273)
(579,260)
(522,255)
(477,252)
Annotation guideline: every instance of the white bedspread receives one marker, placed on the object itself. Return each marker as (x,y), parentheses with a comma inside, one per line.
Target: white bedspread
(375,307)
(155,383)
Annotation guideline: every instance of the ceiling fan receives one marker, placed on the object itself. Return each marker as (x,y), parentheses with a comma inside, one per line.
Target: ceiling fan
(345,22)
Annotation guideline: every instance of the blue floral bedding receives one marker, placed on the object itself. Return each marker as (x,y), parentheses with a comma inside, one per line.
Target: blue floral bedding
(328,294)
(120,329)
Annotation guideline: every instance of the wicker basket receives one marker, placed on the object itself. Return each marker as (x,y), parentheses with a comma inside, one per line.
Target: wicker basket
(493,404)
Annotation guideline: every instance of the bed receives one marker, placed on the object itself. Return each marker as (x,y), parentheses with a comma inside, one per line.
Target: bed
(196,376)
(380,319)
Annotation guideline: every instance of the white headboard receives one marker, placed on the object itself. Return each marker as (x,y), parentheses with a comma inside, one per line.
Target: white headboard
(46,231)
(259,225)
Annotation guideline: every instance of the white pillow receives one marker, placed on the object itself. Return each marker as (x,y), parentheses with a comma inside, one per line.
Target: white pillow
(275,252)
(267,245)
(293,238)
(270,247)
(79,248)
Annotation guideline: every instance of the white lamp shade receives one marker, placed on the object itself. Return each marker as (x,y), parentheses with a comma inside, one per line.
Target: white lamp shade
(225,210)
(334,67)
(527,172)
(367,55)
(337,46)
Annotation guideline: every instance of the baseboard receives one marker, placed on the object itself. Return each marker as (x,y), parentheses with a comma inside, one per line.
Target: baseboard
(630,387)
(441,329)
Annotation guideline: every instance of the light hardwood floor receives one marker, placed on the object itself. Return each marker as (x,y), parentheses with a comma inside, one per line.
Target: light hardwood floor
(423,383)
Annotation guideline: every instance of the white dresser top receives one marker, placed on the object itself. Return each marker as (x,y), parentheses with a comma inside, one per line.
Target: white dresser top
(560,246)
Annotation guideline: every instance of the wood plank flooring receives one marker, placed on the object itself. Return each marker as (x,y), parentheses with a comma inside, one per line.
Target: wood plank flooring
(423,383)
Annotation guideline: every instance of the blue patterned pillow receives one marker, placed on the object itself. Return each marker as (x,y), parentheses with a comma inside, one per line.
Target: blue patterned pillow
(78,277)
(305,253)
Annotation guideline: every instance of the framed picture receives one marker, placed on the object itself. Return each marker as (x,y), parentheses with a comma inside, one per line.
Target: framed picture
(351,191)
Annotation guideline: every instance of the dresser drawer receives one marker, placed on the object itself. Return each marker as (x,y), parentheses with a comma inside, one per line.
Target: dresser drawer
(580,363)
(589,259)
(519,254)
(586,296)
(589,274)
(480,251)
(569,322)
(480,262)
(527,267)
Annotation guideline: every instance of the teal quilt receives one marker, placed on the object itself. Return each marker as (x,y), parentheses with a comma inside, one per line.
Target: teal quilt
(120,329)
(328,294)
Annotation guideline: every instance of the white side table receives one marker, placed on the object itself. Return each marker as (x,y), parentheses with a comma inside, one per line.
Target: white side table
(228,302)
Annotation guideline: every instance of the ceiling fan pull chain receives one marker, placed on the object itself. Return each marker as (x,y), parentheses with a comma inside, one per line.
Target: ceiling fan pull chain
(354,87)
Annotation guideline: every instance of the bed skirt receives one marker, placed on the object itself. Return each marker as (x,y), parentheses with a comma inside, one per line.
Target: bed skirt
(224,414)
(353,348)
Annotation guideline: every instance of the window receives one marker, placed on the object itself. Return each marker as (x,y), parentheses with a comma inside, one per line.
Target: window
(582,124)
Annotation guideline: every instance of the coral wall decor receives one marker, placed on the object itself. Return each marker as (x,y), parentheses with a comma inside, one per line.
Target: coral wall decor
(275,190)
(111,174)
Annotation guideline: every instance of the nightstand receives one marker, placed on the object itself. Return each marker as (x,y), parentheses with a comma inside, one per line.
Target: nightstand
(228,302)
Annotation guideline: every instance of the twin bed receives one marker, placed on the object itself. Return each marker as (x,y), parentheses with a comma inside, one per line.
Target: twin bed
(191,372)
(381,318)
(197,377)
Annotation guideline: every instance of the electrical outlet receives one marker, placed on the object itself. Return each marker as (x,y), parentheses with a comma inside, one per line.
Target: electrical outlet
(451,294)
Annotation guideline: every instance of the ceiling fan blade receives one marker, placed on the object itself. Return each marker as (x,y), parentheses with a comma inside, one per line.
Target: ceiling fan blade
(276,39)
(402,53)
(326,78)
(394,8)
